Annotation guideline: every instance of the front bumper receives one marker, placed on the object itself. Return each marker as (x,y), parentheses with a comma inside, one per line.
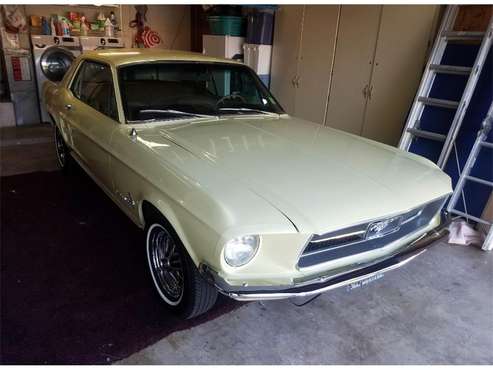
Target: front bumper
(325,283)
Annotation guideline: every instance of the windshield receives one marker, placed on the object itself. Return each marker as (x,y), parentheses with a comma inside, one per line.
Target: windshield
(163,91)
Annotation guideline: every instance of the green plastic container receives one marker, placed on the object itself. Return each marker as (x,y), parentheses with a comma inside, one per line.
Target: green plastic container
(227,25)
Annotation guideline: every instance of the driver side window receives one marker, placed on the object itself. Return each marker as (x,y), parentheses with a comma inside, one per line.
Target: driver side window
(93,85)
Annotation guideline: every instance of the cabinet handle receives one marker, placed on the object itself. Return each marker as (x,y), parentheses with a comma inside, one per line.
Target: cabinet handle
(365,92)
(296,81)
(370,91)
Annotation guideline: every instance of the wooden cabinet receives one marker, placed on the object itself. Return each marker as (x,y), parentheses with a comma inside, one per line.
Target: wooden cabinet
(314,63)
(352,67)
(285,54)
(400,58)
(302,56)
(355,52)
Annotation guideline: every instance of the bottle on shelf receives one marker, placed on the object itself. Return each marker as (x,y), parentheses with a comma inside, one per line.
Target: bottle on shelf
(109,29)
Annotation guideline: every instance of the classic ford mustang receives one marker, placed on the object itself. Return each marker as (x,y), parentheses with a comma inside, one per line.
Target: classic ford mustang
(234,195)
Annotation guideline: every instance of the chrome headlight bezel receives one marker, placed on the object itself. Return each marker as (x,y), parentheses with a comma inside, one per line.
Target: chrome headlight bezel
(239,251)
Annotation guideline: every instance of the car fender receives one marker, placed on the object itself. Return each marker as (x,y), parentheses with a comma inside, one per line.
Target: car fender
(163,207)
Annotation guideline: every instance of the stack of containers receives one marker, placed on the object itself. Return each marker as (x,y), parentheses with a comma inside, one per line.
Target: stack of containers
(226,38)
(258,47)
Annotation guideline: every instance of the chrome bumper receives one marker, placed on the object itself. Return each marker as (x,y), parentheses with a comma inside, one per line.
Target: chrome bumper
(330,282)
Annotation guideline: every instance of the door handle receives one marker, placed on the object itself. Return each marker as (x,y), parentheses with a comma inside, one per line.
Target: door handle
(68,106)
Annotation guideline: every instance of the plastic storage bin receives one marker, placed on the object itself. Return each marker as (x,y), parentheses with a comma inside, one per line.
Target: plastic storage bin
(258,57)
(260,28)
(226,25)
(222,46)
(265,79)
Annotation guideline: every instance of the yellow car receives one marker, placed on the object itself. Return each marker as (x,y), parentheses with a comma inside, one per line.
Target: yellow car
(234,195)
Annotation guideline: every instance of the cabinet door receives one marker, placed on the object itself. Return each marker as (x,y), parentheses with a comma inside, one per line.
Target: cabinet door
(405,32)
(317,50)
(355,51)
(285,51)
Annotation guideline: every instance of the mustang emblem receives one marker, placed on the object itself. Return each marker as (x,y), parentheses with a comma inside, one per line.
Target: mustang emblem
(382,228)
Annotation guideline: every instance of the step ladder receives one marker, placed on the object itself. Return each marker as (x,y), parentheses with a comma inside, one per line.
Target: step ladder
(445,35)
(479,144)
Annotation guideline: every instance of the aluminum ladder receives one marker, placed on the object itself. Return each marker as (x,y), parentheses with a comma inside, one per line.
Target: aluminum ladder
(479,144)
(445,35)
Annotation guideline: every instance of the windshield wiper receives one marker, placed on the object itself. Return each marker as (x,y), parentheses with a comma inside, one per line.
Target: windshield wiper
(177,112)
(248,110)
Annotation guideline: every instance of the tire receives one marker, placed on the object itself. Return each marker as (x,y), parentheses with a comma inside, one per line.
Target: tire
(174,274)
(62,152)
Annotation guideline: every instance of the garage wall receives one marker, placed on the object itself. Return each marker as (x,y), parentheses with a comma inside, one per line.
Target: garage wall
(172,22)
(487,214)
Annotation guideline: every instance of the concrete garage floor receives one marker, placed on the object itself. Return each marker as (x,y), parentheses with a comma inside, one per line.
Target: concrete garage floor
(26,149)
(438,309)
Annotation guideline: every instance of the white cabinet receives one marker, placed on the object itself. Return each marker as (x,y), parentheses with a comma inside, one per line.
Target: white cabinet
(352,67)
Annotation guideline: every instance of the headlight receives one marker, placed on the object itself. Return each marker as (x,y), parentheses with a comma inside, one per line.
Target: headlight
(239,251)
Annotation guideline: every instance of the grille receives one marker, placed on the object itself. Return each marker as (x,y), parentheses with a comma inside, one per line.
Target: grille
(357,239)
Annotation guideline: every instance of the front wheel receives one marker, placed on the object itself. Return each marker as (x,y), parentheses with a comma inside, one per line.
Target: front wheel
(175,276)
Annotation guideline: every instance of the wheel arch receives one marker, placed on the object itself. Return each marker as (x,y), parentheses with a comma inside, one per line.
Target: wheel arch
(151,211)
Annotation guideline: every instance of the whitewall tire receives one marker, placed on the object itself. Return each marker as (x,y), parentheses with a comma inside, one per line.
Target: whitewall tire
(174,274)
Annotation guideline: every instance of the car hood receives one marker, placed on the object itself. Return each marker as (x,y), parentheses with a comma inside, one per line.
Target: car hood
(320,178)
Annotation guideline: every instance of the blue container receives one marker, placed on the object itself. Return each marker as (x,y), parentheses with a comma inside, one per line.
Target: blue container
(265,80)
(223,25)
(260,28)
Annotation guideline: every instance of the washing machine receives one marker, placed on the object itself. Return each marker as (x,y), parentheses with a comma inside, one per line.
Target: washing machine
(52,55)
(95,42)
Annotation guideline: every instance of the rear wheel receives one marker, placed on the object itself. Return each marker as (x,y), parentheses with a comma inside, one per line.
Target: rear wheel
(62,152)
(175,276)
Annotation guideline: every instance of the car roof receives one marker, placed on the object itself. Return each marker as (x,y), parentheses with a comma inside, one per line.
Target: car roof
(118,57)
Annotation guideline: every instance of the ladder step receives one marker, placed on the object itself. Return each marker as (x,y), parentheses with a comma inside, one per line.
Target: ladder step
(427,134)
(480,220)
(487,145)
(463,36)
(480,181)
(453,70)
(451,104)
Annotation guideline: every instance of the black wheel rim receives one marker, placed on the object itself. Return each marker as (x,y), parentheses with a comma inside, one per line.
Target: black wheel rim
(61,152)
(166,265)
